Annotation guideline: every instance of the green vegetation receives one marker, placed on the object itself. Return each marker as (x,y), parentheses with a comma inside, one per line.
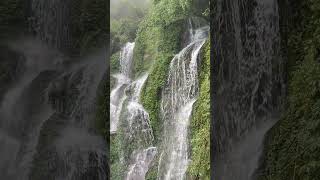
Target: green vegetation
(158,40)
(122,31)
(125,19)
(293,145)
(117,168)
(115,63)
(158,37)
(200,124)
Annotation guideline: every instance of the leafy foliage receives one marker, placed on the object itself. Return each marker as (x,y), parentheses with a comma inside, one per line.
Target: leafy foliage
(117,168)
(115,62)
(293,145)
(200,124)
(158,40)
(125,19)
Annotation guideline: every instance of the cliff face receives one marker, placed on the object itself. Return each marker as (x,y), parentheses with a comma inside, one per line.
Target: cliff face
(248,83)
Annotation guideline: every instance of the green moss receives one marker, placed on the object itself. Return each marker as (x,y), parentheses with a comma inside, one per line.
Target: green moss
(151,94)
(158,40)
(117,168)
(200,124)
(293,144)
(115,62)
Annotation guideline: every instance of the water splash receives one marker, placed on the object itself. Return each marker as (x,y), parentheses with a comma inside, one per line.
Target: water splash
(138,170)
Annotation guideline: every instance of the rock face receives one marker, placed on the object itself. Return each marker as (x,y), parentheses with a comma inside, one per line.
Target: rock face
(11,65)
(248,83)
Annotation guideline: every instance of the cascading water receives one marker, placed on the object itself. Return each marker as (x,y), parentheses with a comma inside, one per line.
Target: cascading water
(178,97)
(139,131)
(49,126)
(250,84)
(117,95)
(139,168)
(128,114)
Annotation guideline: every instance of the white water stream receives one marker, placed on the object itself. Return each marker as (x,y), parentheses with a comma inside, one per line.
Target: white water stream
(178,97)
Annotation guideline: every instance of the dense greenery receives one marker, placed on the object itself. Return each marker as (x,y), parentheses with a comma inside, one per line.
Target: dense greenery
(159,36)
(115,63)
(158,40)
(293,145)
(200,124)
(117,168)
(125,19)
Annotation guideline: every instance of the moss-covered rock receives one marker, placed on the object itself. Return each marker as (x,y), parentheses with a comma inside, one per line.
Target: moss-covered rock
(200,124)
(115,62)
(158,40)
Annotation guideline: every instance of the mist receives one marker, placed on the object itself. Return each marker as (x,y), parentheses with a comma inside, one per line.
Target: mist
(128,8)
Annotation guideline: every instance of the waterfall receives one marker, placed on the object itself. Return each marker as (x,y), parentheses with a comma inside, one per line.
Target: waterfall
(179,94)
(250,84)
(48,118)
(139,131)
(139,168)
(128,114)
(117,95)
